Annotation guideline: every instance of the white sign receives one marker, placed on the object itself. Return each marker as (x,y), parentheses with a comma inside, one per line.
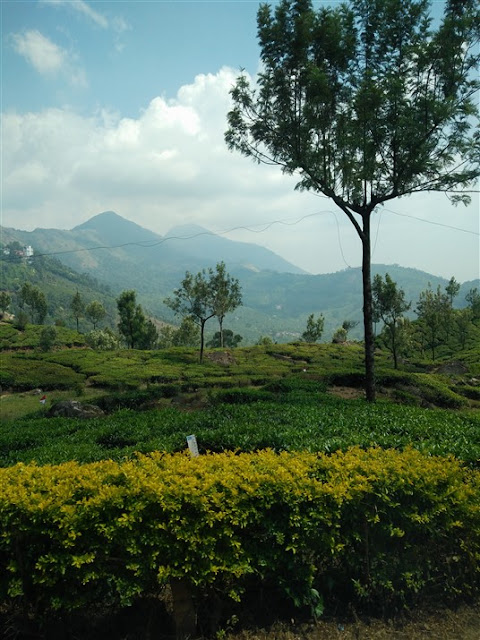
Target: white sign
(193,446)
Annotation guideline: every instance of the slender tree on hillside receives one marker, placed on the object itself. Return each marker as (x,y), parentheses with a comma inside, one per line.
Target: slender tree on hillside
(473,301)
(33,297)
(77,305)
(452,289)
(228,294)
(314,329)
(95,312)
(5,301)
(195,298)
(132,319)
(389,305)
(365,102)
(434,313)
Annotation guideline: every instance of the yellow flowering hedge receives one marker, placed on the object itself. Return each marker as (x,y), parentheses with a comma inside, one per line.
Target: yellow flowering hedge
(372,524)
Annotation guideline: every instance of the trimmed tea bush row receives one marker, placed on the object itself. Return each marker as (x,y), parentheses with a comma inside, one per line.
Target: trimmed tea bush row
(312,422)
(379,526)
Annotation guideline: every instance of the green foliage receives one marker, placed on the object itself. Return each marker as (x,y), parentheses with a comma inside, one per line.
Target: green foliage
(77,306)
(95,312)
(13,336)
(473,300)
(339,336)
(228,295)
(58,282)
(102,340)
(21,320)
(452,289)
(379,527)
(314,329)
(364,103)
(227,337)
(292,416)
(389,305)
(138,332)
(23,372)
(5,301)
(48,338)
(435,315)
(205,295)
(187,335)
(35,300)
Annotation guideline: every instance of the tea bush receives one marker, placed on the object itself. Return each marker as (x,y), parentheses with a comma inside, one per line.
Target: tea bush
(379,527)
(295,421)
(22,372)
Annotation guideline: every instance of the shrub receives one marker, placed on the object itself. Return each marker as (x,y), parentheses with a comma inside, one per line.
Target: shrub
(379,527)
(21,320)
(48,337)
(102,340)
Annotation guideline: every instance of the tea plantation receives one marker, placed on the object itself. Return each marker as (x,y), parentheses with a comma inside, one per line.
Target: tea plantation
(304,497)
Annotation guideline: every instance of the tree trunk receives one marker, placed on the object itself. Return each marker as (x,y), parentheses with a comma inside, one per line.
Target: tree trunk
(220,322)
(367,312)
(202,332)
(393,331)
(183,609)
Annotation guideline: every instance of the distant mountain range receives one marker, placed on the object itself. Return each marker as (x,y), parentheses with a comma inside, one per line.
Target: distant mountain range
(278,296)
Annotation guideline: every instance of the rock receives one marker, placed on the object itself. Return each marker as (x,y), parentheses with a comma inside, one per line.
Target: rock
(74,409)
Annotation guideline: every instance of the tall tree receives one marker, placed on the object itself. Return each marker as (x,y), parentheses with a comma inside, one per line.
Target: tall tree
(195,298)
(95,312)
(389,305)
(148,337)
(35,299)
(464,324)
(205,295)
(77,305)
(434,314)
(314,329)
(365,102)
(187,334)
(5,301)
(452,289)
(228,294)
(132,319)
(225,339)
(473,300)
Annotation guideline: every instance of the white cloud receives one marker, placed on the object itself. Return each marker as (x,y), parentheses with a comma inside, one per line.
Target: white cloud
(171,166)
(43,54)
(85,9)
(48,58)
(81,7)
(116,23)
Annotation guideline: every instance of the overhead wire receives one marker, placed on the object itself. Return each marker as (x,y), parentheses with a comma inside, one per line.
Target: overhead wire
(252,229)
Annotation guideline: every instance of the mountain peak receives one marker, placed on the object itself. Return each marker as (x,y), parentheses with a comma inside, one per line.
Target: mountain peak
(114,229)
(101,219)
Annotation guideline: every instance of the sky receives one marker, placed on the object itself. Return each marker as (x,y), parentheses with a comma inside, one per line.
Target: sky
(122,106)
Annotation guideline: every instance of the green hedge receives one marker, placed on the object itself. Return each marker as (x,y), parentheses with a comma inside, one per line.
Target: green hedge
(22,372)
(376,527)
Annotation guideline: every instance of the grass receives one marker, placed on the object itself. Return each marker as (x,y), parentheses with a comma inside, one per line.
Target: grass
(14,406)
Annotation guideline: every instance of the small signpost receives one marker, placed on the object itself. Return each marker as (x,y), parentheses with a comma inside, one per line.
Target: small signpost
(193,446)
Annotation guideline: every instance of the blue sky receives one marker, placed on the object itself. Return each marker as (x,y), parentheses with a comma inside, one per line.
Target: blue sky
(121,106)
